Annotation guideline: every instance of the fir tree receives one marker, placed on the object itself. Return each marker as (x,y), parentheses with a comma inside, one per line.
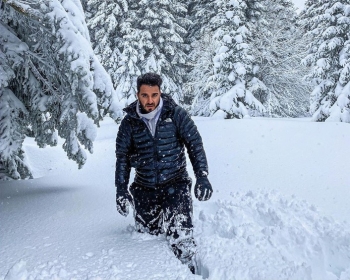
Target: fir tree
(54,84)
(135,37)
(233,81)
(161,29)
(132,54)
(199,86)
(200,59)
(105,20)
(328,25)
(200,12)
(278,50)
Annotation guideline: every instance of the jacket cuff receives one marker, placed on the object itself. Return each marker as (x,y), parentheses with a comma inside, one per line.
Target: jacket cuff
(201,173)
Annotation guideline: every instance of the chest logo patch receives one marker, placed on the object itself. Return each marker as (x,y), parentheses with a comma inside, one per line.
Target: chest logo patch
(168,120)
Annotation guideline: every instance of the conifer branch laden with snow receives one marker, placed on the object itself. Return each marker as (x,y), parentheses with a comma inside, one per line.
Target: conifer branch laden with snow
(279,48)
(53,84)
(272,57)
(199,87)
(232,80)
(26,9)
(328,25)
(133,38)
(107,24)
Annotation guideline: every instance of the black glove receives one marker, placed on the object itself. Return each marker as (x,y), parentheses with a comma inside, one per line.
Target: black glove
(123,199)
(203,189)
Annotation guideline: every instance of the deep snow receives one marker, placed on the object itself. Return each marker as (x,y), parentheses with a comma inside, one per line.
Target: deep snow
(279,210)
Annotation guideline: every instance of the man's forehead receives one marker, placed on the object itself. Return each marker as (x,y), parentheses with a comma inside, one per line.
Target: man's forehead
(149,88)
(149,85)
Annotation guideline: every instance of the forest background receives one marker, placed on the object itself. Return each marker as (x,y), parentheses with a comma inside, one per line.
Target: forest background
(65,65)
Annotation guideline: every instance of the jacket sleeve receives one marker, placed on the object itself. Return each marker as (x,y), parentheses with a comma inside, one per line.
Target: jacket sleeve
(193,141)
(123,150)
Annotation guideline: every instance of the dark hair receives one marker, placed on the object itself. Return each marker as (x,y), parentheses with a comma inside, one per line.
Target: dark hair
(150,79)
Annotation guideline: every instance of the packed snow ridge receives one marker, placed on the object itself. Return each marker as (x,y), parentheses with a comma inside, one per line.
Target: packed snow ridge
(253,235)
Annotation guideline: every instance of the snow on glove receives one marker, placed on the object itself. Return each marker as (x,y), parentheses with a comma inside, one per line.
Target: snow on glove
(123,199)
(203,189)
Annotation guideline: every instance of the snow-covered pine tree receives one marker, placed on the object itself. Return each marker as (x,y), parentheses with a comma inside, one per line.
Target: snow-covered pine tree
(12,111)
(233,72)
(53,83)
(278,50)
(161,29)
(199,85)
(132,54)
(200,12)
(200,59)
(106,22)
(327,22)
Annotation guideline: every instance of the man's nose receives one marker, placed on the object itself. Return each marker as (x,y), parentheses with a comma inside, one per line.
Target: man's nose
(149,99)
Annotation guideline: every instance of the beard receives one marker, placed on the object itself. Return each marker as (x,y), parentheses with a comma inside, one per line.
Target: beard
(148,107)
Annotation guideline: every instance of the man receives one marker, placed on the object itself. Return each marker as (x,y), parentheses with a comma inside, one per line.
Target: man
(151,138)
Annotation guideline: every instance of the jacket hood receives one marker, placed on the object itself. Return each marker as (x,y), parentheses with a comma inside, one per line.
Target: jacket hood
(168,104)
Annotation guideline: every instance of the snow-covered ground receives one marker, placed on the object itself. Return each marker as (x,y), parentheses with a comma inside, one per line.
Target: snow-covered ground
(280,209)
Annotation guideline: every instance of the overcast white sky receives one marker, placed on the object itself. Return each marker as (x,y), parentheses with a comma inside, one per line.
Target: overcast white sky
(299,4)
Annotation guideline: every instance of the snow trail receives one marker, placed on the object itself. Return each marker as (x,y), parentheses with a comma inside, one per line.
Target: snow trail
(64,225)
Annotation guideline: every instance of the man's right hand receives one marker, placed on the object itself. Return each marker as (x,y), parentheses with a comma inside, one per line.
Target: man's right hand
(123,202)
(203,189)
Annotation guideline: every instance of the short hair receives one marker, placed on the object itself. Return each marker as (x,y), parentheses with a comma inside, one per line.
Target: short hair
(150,79)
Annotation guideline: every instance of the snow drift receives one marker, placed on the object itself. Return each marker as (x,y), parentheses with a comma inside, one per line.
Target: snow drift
(64,225)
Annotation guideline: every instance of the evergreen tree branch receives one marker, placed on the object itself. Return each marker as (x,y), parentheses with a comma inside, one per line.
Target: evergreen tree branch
(25,9)
(37,75)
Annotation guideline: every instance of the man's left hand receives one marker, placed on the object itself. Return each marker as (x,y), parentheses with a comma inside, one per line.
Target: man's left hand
(123,203)
(203,189)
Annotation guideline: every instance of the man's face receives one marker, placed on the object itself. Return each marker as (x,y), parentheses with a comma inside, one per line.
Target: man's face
(149,97)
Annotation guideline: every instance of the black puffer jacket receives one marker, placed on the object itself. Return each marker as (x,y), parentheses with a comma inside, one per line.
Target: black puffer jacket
(159,159)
